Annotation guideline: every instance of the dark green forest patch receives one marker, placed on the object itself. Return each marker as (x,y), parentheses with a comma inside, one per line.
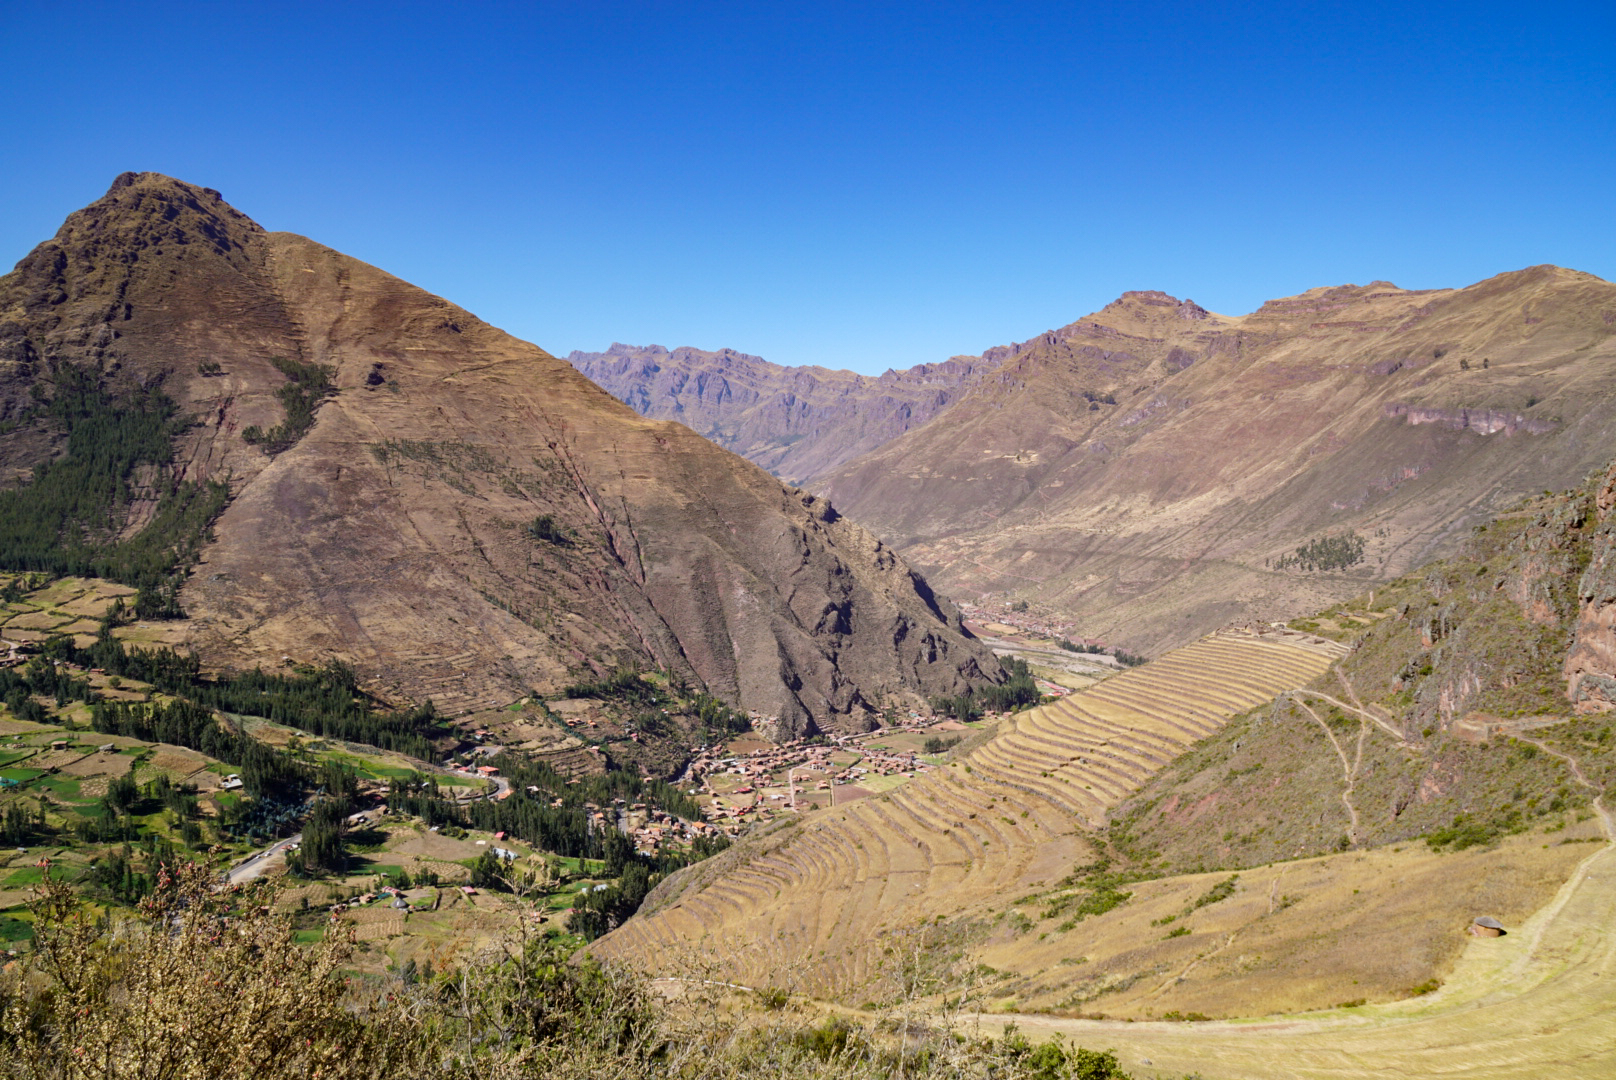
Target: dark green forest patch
(306,386)
(69,519)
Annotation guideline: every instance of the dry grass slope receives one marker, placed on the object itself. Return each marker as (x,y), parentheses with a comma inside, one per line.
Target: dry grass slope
(1536,1003)
(810,910)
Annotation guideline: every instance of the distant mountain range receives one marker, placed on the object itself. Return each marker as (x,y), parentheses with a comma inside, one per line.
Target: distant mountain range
(366,473)
(1152,468)
(796,422)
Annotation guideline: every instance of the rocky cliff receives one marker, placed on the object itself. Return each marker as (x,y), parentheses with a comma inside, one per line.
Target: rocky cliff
(796,422)
(1153,468)
(455,512)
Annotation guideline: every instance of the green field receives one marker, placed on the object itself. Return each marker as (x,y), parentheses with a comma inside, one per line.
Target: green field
(28,875)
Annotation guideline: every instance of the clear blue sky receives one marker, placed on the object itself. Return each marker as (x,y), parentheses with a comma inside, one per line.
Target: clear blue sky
(861,185)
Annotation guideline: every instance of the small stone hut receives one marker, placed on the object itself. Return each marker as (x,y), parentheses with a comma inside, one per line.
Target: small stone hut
(1486,926)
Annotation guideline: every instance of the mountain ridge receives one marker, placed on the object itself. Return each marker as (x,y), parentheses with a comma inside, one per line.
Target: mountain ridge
(795,422)
(1365,409)
(463,517)
(1060,472)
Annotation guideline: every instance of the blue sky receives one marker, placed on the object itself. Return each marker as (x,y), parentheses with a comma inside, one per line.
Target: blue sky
(858,185)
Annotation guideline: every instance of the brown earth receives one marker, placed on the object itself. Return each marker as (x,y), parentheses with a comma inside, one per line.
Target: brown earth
(393,535)
(1235,440)
(796,422)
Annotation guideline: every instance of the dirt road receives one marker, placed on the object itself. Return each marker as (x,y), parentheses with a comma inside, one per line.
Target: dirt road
(1539,1003)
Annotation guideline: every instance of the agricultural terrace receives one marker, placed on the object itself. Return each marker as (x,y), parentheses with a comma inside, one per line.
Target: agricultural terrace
(749,781)
(115,760)
(809,902)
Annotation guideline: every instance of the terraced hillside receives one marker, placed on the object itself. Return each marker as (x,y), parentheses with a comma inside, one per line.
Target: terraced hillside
(806,906)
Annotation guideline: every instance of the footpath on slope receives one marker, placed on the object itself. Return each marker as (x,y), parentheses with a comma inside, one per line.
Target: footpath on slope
(1539,1002)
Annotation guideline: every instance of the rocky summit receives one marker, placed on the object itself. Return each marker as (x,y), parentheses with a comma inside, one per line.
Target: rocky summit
(455,513)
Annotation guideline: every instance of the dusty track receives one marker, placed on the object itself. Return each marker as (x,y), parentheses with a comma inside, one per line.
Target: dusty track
(1538,1003)
(1349,769)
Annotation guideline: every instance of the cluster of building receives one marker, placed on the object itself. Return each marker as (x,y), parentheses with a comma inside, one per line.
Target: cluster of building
(13,653)
(1028,621)
(647,826)
(786,778)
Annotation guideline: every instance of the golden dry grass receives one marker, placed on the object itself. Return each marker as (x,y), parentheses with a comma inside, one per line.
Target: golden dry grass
(432,845)
(1536,1003)
(99,764)
(1293,937)
(1009,817)
(174,762)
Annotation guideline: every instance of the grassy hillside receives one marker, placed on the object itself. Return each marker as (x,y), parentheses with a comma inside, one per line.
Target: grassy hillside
(1443,723)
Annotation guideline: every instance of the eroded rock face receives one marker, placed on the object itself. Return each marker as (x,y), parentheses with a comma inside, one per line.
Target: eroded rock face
(796,422)
(1590,666)
(401,532)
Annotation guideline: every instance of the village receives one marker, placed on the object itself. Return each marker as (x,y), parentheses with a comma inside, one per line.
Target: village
(749,780)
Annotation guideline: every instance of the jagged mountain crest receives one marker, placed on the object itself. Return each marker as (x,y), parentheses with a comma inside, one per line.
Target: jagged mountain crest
(795,422)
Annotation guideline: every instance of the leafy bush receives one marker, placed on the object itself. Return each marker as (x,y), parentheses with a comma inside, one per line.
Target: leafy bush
(1096,890)
(1466,832)
(1052,1060)
(1221,891)
(205,982)
(544,528)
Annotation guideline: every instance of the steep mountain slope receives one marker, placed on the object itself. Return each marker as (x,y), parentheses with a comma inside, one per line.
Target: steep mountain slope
(1404,416)
(796,422)
(453,511)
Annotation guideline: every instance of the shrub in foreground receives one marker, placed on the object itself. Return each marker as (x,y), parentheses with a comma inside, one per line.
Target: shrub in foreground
(204,983)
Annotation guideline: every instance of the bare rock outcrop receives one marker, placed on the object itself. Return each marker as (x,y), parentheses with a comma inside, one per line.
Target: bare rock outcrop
(1590,666)
(468,517)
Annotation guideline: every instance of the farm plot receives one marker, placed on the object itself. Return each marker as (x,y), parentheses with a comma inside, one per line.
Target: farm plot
(1008,817)
(68,606)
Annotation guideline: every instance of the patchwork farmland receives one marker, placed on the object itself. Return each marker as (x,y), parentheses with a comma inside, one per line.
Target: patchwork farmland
(807,904)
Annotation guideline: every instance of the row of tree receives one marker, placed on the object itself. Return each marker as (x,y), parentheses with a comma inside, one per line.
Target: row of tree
(264,769)
(1325,553)
(1017,690)
(325,702)
(306,386)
